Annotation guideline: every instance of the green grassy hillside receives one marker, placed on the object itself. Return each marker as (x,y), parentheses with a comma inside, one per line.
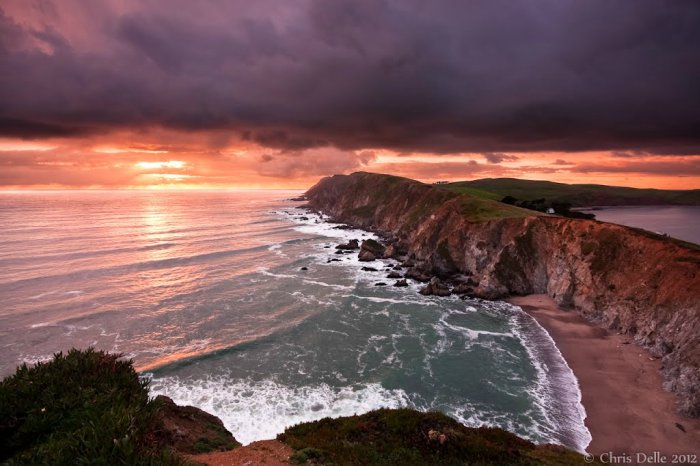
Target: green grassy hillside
(578,195)
(388,193)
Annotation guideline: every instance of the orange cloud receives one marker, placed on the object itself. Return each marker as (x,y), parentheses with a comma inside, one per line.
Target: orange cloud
(153,158)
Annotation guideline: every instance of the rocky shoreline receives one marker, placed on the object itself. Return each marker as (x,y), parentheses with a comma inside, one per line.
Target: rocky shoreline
(627,280)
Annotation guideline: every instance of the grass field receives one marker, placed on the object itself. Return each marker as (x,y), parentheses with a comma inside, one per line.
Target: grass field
(578,195)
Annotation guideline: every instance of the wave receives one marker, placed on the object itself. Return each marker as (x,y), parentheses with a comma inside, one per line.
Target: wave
(257,410)
(137,266)
(557,390)
(43,258)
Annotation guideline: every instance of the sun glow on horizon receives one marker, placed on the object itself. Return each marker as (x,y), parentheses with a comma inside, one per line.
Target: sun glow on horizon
(176,164)
(123,150)
(24,146)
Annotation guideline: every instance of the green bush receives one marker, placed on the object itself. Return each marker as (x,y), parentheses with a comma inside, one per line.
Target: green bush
(306,454)
(85,407)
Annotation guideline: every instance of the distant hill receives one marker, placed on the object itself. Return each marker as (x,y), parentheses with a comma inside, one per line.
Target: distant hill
(578,195)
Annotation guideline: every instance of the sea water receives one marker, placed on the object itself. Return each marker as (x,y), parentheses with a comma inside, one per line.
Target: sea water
(682,222)
(205,292)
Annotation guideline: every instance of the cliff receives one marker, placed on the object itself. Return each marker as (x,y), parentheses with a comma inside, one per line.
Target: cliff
(625,279)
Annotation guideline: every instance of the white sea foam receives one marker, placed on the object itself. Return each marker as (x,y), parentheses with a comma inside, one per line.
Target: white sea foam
(36,358)
(557,391)
(264,271)
(43,324)
(376,299)
(468,333)
(64,293)
(261,410)
(41,295)
(317,224)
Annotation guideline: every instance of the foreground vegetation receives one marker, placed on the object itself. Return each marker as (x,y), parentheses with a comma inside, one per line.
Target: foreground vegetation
(404,436)
(90,407)
(79,408)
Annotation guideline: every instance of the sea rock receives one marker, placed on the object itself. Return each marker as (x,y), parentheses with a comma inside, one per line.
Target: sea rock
(401,283)
(349,246)
(304,268)
(380,284)
(370,250)
(462,288)
(435,287)
(394,275)
(369,269)
(389,251)
(417,275)
(186,428)
(366,256)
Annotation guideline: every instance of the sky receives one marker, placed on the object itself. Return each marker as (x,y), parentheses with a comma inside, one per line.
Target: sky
(279,93)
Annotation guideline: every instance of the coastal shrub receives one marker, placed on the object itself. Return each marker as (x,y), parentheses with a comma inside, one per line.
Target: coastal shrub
(83,407)
(306,454)
(405,436)
(203,446)
(208,444)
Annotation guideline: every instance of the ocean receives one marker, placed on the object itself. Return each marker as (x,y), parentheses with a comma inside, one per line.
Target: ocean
(205,291)
(682,222)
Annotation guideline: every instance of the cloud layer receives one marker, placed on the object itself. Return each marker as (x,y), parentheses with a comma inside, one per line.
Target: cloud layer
(412,76)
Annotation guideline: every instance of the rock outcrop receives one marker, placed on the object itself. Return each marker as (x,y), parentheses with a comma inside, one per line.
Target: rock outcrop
(349,246)
(435,287)
(370,250)
(625,279)
(190,430)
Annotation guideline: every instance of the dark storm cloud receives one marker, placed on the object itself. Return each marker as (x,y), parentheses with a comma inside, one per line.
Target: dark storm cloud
(313,162)
(498,157)
(38,129)
(410,75)
(672,168)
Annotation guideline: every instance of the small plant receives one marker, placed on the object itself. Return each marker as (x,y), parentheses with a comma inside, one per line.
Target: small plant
(306,454)
(203,446)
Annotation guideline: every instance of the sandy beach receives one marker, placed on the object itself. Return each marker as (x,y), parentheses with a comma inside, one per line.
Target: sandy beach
(628,411)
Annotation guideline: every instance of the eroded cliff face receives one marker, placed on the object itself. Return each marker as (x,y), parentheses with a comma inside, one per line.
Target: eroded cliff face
(625,279)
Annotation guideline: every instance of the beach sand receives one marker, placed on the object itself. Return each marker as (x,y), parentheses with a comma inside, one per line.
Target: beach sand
(628,411)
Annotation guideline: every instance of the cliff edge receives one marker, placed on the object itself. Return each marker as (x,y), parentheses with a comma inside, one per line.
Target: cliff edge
(626,279)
